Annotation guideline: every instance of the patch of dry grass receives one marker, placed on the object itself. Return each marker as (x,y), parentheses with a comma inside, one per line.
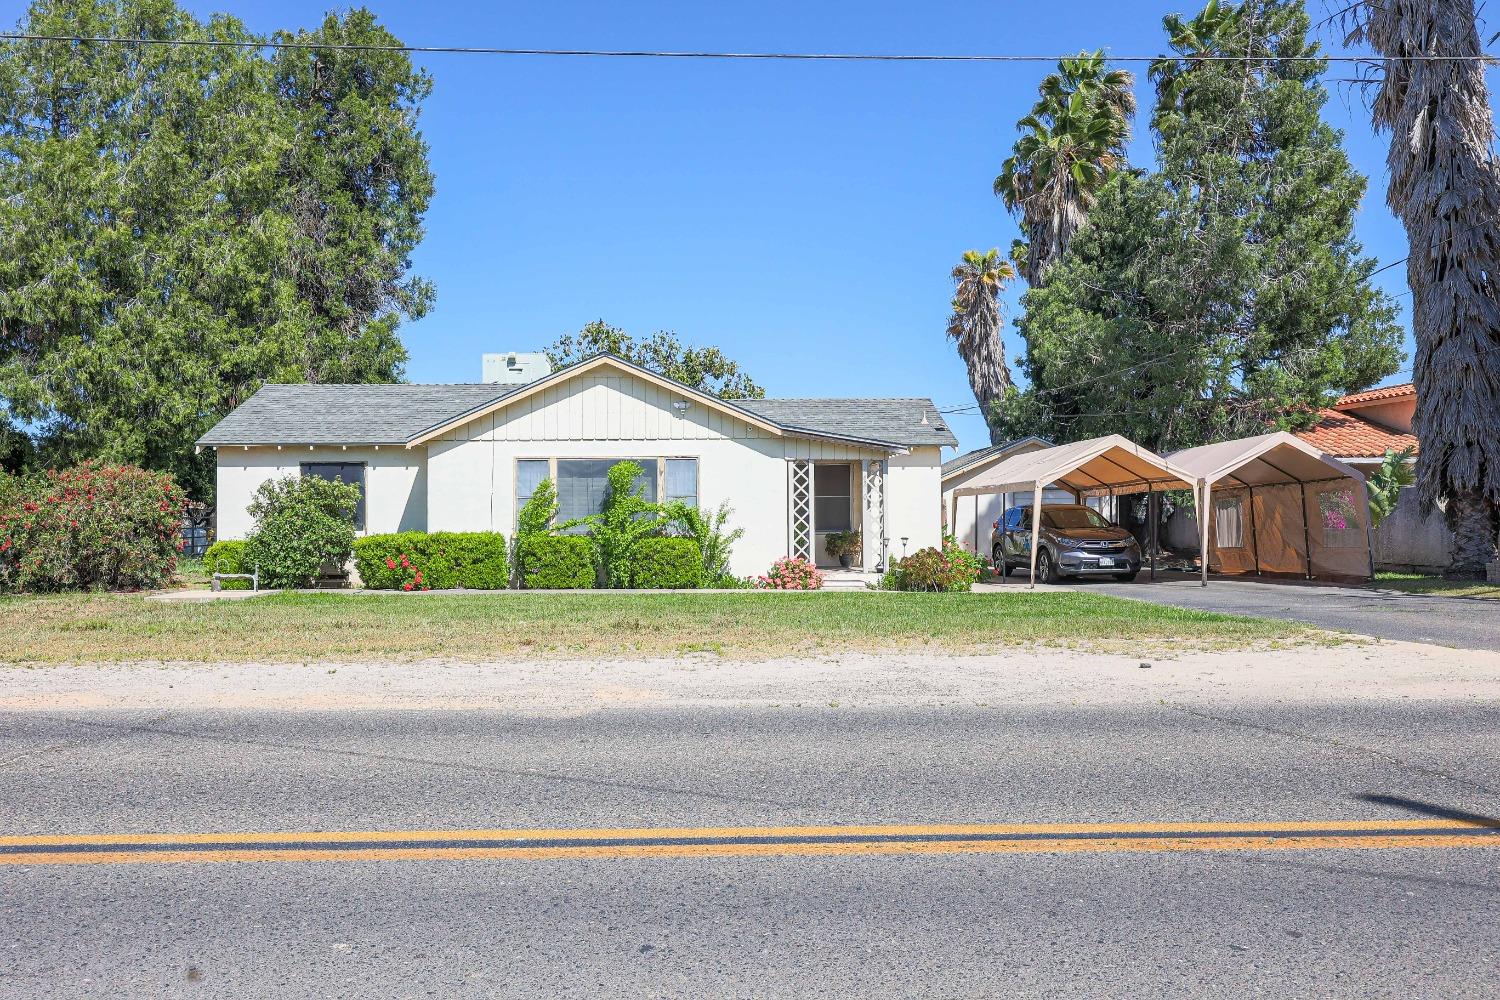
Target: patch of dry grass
(332,627)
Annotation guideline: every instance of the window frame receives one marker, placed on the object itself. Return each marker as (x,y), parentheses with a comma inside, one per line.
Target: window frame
(818,526)
(1351,536)
(552,460)
(1240,507)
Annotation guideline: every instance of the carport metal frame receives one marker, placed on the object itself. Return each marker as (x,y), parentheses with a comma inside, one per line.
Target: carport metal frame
(1062,463)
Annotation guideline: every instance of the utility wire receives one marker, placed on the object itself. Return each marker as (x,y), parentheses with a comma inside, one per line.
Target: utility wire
(480,50)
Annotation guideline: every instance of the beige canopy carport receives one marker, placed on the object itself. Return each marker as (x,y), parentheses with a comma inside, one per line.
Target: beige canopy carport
(1284,507)
(1104,465)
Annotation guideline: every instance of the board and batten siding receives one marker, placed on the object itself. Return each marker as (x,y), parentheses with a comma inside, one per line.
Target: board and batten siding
(395,483)
(471,470)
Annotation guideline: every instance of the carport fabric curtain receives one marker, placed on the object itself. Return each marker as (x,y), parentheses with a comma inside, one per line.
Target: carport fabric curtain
(1338,523)
(1230,532)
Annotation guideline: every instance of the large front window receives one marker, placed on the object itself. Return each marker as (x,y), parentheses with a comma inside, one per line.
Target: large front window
(582,483)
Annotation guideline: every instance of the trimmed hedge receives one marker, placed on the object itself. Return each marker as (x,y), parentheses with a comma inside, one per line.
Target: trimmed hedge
(558,562)
(227,557)
(667,564)
(443,560)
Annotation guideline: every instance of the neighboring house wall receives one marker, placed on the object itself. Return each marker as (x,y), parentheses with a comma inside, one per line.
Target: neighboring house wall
(1393,413)
(472,471)
(1408,542)
(990,507)
(395,483)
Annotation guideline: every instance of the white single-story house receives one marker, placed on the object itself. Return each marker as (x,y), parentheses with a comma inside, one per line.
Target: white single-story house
(465,457)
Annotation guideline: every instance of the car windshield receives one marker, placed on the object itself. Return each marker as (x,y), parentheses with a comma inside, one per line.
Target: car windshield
(1073,517)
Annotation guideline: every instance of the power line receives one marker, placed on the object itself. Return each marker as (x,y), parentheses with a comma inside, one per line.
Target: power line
(481,50)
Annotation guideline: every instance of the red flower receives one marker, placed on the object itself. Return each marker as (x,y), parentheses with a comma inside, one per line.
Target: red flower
(406,586)
(390,563)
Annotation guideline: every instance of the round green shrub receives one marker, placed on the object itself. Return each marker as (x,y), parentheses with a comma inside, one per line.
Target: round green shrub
(303,525)
(951,569)
(667,564)
(558,562)
(227,557)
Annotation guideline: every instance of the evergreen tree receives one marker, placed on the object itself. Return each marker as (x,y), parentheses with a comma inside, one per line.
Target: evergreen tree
(1224,294)
(179,224)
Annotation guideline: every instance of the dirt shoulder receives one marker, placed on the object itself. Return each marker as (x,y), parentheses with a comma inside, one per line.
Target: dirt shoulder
(1375,671)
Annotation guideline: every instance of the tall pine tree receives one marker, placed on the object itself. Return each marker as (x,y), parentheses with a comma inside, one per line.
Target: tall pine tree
(1223,293)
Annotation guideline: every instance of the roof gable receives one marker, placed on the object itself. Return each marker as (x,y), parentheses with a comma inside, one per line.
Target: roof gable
(970,460)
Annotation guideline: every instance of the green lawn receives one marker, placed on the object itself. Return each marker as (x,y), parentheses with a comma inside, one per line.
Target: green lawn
(311,627)
(1414,583)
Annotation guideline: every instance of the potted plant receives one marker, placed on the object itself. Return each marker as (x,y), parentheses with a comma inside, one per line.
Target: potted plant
(842,545)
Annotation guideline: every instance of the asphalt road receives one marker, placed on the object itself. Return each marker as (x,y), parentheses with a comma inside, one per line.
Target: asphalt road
(1463,623)
(1383,921)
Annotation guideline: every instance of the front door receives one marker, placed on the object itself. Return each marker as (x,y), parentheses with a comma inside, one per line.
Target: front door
(833,506)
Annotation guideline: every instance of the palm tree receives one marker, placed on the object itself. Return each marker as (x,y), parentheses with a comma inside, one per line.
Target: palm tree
(1209,33)
(1071,142)
(975,326)
(1445,188)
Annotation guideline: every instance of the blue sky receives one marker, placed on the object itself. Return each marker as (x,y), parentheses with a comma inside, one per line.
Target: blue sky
(803,216)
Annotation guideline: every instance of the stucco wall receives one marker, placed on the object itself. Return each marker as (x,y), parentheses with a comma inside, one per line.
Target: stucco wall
(395,483)
(1408,542)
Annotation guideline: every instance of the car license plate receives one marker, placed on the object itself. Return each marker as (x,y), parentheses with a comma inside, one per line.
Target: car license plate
(1106,561)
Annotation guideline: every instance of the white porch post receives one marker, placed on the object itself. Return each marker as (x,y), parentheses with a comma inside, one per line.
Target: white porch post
(799,508)
(1204,513)
(1036,528)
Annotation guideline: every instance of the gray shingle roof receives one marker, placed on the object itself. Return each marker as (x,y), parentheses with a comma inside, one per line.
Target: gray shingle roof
(397,414)
(968,458)
(894,421)
(345,414)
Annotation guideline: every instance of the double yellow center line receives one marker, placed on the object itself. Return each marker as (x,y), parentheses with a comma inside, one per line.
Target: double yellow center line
(717,842)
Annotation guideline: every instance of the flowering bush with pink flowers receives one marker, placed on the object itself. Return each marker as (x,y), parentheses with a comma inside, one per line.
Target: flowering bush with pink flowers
(791,573)
(91,527)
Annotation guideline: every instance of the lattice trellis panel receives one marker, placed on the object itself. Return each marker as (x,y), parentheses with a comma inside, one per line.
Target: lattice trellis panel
(875,527)
(800,508)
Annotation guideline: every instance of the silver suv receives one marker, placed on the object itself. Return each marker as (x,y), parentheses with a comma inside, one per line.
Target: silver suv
(1076,541)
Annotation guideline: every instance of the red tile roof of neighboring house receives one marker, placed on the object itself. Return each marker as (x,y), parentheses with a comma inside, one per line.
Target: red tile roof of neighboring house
(1377,395)
(1344,435)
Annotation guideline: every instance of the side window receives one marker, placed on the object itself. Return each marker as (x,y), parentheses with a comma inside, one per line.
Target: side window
(682,481)
(529,474)
(342,472)
(1229,523)
(1013,518)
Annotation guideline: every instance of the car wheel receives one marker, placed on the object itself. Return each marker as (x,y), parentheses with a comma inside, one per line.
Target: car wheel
(1045,572)
(1127,577)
